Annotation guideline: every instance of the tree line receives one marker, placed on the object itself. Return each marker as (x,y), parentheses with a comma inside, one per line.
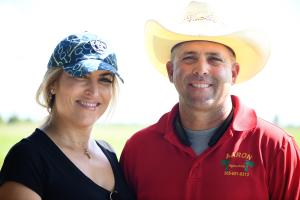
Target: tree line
(13,119)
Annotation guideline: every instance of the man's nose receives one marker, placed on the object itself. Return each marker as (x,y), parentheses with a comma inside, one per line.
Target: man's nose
(201,67)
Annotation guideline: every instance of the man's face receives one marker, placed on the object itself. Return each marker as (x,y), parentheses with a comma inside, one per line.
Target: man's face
(202,73)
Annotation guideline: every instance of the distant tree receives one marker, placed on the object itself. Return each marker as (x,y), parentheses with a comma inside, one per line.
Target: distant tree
(13,119)
(1,120)
(28,120)
(276,120)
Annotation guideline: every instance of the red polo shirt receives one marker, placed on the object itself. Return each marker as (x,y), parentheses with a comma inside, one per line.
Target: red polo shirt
(252,160)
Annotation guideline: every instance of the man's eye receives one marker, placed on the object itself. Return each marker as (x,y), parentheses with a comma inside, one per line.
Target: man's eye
(189,59)
(215,60)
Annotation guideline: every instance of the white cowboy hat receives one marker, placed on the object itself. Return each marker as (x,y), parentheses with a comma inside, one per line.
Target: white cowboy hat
(251,47)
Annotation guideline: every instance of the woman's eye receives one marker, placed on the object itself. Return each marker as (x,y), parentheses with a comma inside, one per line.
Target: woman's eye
(106,80)
(81,77)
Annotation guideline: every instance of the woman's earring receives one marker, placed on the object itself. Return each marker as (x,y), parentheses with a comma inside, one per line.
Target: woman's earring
(52,91)
(51,95)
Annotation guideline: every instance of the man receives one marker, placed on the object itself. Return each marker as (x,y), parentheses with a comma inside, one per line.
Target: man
(210,146)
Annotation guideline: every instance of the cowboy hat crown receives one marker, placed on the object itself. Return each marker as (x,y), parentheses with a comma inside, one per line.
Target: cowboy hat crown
(201,22)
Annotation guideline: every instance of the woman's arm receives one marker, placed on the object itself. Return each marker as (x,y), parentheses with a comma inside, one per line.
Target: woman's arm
(16,191)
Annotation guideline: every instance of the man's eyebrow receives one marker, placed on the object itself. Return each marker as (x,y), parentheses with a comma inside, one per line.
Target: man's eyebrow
(189,52)
(213,53)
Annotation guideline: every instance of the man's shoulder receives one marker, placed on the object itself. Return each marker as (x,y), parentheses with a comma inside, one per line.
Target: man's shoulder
(148,131)
(269,127)
(273,132)
(151,132)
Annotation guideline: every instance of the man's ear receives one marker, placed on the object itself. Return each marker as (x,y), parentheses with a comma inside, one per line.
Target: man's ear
(235,72)
(170,70)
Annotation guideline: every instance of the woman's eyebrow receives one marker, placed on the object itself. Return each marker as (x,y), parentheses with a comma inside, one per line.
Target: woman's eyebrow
(106,74)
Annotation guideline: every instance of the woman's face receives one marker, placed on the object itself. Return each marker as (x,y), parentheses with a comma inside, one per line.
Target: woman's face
(82,100)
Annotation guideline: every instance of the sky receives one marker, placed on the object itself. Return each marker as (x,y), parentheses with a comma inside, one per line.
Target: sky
(30,29)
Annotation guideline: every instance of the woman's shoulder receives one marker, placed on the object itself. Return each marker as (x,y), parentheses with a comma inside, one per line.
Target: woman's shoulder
(23,164)
(28,144)
(106,145)
(26,148)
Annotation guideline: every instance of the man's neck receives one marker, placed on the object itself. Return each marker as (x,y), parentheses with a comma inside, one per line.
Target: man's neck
(194,119)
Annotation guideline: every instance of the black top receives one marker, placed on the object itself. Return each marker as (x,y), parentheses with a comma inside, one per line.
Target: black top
(40,165)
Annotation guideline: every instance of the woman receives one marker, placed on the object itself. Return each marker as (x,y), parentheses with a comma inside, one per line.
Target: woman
(60,160)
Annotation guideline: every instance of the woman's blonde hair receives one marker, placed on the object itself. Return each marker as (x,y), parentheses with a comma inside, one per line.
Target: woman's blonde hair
(45,98)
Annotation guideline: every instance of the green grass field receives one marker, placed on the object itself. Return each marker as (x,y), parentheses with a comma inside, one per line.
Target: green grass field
(116,135)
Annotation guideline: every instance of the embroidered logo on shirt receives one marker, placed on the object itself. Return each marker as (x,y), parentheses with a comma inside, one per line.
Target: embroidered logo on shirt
(237,164)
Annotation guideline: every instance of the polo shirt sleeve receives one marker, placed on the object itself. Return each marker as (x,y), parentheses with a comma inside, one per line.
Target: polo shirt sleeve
(124,163)
(22,165)
(284,178)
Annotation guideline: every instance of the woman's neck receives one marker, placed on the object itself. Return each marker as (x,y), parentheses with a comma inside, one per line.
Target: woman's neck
(65,135)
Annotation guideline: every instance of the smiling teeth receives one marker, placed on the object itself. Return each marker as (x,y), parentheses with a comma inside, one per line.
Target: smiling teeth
(88,104)
(200,85)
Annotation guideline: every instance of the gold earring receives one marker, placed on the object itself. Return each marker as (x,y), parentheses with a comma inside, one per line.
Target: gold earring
(51,94)
(52,91)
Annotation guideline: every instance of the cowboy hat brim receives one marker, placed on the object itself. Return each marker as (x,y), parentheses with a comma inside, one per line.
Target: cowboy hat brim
(251,47)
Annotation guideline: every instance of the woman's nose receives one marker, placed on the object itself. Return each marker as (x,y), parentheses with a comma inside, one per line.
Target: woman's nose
(92,89)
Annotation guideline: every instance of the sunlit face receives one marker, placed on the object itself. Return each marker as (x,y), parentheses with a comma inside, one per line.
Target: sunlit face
(82,100)
(202,73)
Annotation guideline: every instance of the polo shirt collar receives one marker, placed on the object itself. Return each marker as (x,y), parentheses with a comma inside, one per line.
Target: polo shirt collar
(241,118)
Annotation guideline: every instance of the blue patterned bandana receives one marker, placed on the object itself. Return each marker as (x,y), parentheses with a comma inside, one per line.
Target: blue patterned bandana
(80,54)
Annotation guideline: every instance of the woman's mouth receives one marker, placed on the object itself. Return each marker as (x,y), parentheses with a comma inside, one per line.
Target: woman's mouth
(88,105)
